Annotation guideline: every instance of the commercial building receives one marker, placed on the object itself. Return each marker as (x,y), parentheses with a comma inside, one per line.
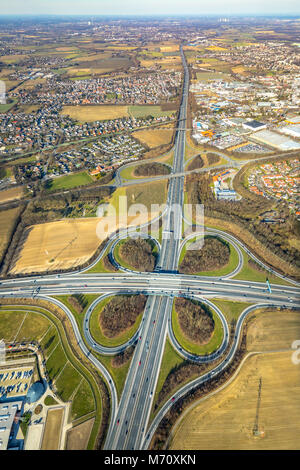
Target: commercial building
(228,194)
(254,125)
(273,139)
(292,129)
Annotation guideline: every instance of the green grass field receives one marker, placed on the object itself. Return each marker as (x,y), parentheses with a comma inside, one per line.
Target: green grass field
(4,108)
(70,181)
(230,309)
(143,111)
(99,267)
(118,373)
(248,273)
(170,360)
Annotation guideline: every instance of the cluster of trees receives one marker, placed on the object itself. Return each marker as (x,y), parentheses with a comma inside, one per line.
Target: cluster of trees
(120,359)
(212,158)
(48,208)
(78,301)
(196,163)
(108,265)
(214,254)
(121,313)
(178,375)
(151,169)
(138,253)
(246,214)
(195,320)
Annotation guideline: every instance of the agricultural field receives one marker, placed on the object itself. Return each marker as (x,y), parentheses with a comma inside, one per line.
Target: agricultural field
(105,112)
(95,113)
(58,245)
(28,108)
(234,408)
(154,137)
(98,64)
(71,242)
(13,59)
(11,194)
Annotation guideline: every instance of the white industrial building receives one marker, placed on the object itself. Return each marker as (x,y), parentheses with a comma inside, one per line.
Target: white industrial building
(292,129)
(276,140)
(254,125)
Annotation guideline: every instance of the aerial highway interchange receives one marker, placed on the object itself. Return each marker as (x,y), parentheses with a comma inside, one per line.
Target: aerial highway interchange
(129,422)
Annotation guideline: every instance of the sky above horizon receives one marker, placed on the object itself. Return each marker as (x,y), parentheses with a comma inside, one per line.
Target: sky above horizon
(153,7)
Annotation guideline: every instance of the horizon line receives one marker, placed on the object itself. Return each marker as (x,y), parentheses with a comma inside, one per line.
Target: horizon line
(175,15)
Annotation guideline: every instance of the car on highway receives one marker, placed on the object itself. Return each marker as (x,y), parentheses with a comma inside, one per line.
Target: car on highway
(173,398)
(140,363)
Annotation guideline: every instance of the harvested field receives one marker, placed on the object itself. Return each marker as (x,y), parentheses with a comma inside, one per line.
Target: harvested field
(58,245)
(234,407)
(71,242)
(234,410)
(78,437)
(239,69)
(273,330)
(52,432)
(95,113)
(169,48)
(154,137)
(11,194)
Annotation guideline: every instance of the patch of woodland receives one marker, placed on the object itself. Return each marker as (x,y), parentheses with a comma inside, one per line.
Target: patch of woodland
(214,254)
(121,313)
(138,253)
(151,169)
(246,214)
(121,359)
(196,163)
(195,320)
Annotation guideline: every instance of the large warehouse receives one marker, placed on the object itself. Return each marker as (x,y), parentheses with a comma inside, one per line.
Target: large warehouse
(273,139)
(253,125)
(292,129)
